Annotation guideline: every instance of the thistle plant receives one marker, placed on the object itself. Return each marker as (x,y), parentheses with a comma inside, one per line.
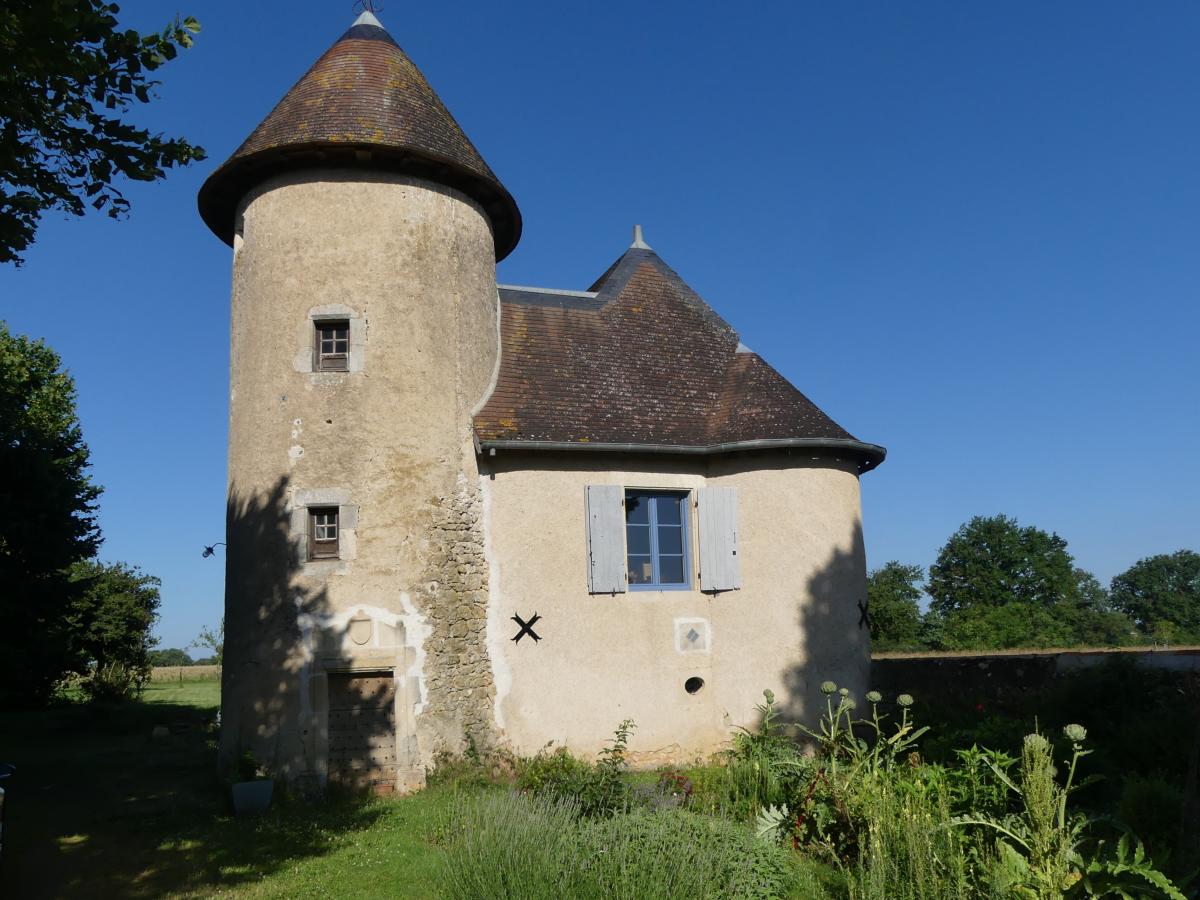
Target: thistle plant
(885,749)
(836,735)
(878,750)
(1047,853)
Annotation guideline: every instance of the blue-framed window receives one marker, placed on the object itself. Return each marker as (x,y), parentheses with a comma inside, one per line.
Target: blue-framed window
(656,540)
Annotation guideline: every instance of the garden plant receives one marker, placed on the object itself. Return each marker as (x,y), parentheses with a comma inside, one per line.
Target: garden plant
(845,809)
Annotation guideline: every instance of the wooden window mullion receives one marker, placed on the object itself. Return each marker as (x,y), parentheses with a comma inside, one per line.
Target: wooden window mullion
(652,516)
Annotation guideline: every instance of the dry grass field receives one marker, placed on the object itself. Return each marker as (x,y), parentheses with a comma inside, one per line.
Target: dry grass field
(180,674)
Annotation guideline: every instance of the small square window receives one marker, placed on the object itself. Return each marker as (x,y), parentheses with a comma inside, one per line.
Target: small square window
(323,536)
(331,346)
(656,539)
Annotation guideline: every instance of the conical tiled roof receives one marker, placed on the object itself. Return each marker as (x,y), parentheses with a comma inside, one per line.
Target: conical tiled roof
(363,105)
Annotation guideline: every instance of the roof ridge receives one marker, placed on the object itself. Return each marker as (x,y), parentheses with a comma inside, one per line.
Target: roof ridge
(561,292)
(609,286)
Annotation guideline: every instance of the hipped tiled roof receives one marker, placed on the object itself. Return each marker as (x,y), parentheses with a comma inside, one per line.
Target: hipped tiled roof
(640,362)
(363,105)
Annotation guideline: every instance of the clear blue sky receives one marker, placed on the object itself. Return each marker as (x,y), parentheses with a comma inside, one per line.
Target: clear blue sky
(967,231)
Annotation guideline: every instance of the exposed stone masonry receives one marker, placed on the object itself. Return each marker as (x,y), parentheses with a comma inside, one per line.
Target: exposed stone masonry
(458,673)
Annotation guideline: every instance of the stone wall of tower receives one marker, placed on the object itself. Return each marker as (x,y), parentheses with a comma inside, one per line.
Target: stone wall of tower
(411,266)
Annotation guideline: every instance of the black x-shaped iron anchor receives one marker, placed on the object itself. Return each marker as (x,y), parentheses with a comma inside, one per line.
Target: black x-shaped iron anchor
(526,628)
(864,615)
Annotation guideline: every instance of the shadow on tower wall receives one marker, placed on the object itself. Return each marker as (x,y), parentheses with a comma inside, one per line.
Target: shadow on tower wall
(264,652)
(836,639)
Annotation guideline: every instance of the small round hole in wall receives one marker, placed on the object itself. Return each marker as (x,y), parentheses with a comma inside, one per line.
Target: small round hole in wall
(693,684)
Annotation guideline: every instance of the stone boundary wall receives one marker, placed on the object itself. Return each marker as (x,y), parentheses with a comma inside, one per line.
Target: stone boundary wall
(1000,678)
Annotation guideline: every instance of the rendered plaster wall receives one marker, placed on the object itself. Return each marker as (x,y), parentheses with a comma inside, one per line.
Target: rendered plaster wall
(604,658)
(412,266)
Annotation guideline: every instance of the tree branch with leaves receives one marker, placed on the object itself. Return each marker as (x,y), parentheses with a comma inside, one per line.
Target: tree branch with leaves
(69,80)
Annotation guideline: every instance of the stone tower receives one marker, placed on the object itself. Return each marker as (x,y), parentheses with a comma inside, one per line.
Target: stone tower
(365,230)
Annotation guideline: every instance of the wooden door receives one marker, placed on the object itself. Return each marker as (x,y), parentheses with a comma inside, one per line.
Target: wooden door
(362,730)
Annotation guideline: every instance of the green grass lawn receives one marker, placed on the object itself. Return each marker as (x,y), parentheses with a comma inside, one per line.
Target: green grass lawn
(100,808)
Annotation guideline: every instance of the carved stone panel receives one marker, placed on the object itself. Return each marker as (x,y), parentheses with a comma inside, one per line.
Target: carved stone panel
(359,629)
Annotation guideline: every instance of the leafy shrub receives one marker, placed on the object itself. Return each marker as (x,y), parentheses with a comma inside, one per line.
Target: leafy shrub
(114,681)
(979,782)
(606,790)
(554,775)
(762,769)
(598,790)
(472,768)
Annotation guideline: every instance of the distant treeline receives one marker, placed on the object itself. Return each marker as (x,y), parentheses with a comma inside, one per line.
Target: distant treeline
(176,657)
(997,585)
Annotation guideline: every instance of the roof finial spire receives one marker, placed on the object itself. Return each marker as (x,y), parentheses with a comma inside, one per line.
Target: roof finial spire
(638,243)
(367,16)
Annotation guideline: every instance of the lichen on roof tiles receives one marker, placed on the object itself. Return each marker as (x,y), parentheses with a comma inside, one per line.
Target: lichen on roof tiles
(647,362)
(364,93)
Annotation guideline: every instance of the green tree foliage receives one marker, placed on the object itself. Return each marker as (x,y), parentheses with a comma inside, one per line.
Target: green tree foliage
(171,656)
(997,585)
(993,562)
(1098,623)
(1161,594)
(894,591)
(112,615)
(212,640)
(68,81)
(49,517)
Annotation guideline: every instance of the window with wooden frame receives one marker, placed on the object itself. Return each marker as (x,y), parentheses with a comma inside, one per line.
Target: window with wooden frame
(331,346)
(639,540)
(323,532)
(656,540)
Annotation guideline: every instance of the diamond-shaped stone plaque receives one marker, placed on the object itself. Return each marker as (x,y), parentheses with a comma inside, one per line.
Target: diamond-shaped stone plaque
(692,636)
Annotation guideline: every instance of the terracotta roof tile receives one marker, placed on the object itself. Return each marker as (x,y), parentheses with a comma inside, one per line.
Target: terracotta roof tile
(363,104)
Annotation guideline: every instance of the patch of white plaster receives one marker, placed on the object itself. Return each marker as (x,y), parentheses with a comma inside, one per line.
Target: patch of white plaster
(497,641)
(495,379)
(417,632)
(295,452)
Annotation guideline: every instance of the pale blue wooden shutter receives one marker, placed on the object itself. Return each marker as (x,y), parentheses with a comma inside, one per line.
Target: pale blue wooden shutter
(606,539)
(720,568)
